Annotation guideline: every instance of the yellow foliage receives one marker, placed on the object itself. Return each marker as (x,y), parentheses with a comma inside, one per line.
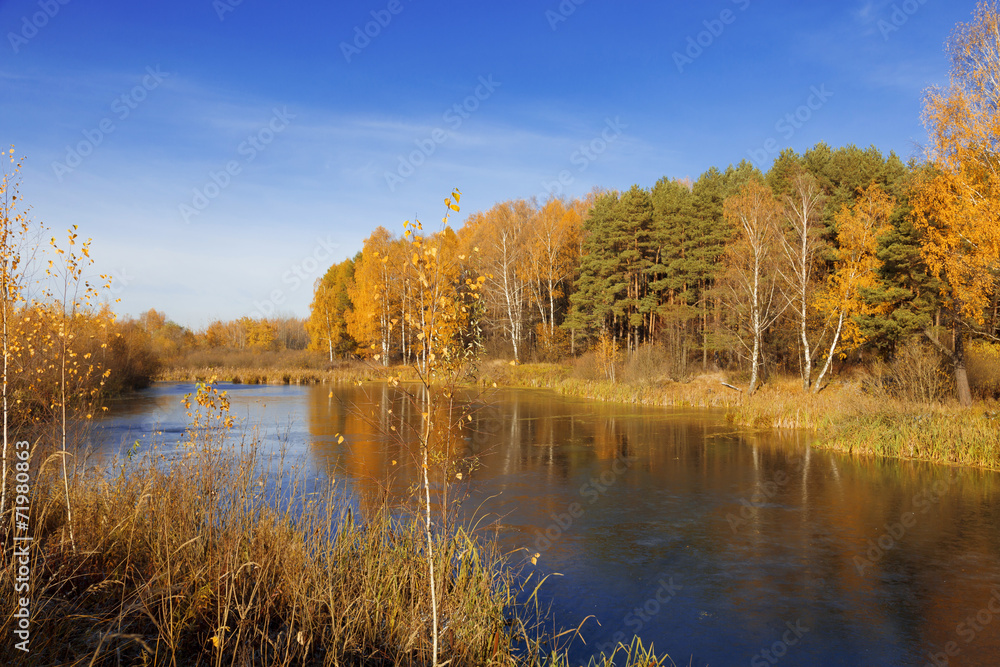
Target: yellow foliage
(858,229)
(957,205)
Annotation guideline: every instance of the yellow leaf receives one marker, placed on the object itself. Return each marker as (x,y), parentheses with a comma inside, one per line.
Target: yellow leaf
(534,559)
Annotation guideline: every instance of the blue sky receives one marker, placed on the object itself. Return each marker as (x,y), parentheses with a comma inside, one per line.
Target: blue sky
(223,154)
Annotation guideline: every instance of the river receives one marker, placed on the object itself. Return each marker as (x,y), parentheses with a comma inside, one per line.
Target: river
(722,546)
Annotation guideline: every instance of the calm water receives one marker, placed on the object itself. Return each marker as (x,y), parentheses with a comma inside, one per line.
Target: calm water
(723,547)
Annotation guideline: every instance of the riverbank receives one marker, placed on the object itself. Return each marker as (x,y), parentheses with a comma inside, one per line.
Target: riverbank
(844,416)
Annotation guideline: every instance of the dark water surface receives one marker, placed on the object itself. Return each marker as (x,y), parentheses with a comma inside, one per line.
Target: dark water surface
(721,546)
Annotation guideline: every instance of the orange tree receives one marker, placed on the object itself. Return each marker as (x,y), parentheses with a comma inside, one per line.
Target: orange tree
(858,230)
(956,203)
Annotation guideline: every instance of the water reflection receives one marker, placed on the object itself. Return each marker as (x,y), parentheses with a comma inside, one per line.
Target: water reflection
(712,542)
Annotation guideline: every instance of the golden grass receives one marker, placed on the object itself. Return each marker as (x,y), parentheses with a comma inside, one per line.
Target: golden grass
(347,372)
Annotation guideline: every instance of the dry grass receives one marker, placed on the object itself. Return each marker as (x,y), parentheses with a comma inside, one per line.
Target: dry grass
(352,372)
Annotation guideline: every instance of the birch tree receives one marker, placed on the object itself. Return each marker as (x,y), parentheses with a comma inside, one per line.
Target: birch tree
(502,238)
(957,205)
(750,258)
(802,211)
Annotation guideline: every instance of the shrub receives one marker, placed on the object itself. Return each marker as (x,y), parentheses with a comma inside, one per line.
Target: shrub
(917,374)
(650,363)
(983,365)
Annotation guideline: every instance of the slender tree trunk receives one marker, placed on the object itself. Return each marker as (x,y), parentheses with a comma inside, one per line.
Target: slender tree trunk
(829,357)
(6,354)
(402,329)
(961,376)
(427,527)
(65,453)
(552,310)
(806,353)
(755,323)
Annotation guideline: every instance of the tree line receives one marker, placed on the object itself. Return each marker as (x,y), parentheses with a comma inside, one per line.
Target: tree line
(786,270)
